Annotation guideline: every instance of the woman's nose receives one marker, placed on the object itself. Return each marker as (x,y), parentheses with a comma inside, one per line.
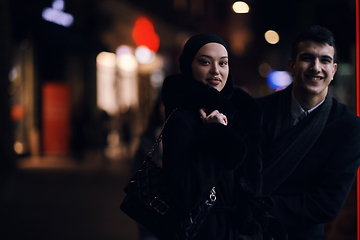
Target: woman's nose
(214,69)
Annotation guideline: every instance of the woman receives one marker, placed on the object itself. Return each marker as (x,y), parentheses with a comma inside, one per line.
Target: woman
(212,139)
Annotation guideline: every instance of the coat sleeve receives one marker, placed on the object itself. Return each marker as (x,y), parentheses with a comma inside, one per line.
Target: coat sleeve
(196,155)
(322,201)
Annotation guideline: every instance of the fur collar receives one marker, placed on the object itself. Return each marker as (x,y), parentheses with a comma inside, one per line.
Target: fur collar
(182,92)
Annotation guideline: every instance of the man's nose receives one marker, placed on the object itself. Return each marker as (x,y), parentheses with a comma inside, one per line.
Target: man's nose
(315,66)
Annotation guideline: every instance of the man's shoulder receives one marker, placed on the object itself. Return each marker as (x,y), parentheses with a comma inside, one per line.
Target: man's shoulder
(269,100)
(341,112)
(271,96)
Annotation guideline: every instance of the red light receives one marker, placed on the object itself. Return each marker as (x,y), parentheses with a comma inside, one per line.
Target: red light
(145,35)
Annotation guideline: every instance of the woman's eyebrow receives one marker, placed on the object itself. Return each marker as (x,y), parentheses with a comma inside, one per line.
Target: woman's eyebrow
(204,55)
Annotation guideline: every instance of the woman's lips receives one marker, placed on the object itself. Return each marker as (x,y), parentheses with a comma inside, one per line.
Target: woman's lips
(213,81)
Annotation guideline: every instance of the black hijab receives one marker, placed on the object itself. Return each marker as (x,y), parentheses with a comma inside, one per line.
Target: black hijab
(191,47)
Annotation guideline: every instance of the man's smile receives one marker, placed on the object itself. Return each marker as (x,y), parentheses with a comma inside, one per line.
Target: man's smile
(314,78)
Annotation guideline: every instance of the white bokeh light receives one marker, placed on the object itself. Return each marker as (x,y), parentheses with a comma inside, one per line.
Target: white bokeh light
(144,55)
(127,62)
(241,7)
(157,78)
(106,59)
(123,49)
(58,5)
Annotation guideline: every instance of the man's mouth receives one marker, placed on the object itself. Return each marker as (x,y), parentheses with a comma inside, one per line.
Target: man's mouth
(314,78)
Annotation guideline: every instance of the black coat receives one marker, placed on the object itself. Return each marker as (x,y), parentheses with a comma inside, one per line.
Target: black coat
(316,190)
(199,156)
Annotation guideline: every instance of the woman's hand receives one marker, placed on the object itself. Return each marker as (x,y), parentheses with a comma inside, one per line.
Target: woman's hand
(215,116)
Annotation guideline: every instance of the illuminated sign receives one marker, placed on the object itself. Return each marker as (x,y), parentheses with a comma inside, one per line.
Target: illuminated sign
(144,34)
(56,14)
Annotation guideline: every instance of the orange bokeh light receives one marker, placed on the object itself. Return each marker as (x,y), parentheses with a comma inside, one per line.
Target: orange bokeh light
(17,112)
(144,34)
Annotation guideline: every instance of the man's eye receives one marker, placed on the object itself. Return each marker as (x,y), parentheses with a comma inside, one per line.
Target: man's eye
(326,60)
(305,59)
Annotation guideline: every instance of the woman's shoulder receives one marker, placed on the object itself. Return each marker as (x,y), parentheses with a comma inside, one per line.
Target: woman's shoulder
(242,100)
(182,120)
(183,115)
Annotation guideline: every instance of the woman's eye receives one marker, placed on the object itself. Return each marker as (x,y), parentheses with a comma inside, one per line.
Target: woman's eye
(204,62)
(223,63)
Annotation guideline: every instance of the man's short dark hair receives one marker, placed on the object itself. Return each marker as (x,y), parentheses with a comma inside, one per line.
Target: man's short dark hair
(316,34)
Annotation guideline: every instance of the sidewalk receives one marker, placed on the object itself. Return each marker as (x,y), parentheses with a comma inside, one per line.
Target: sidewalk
(50,198)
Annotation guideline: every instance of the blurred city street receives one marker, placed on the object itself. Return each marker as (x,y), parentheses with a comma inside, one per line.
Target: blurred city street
(81,80)
(57,198)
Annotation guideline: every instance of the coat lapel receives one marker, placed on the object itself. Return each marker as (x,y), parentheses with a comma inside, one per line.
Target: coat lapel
(290,144)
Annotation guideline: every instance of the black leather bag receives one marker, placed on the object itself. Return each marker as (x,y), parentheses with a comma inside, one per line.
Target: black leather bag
(147,202)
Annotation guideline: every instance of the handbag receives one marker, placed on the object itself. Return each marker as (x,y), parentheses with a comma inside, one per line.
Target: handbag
(147,202)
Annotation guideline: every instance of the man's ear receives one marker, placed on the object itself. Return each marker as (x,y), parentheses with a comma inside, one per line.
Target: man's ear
(291,64)
(333,72)
(334,69)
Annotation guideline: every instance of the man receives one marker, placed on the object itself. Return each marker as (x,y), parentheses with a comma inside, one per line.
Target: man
(309,164)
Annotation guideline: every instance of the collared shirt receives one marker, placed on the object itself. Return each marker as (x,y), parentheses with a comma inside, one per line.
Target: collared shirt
(297,110)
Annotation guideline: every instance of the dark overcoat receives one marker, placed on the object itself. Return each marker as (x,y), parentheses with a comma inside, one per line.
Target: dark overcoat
(316,186)
(198,156)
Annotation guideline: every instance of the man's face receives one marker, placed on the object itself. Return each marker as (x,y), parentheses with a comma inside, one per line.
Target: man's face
(313,69)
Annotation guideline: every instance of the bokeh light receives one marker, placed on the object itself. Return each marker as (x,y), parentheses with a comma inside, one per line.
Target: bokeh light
(123,49)
(127,62)
(157,78)
(18,147)
(58,5)
(144,34)
(144,54)
(264,69)
(56,14)
(272,37)
(106,59)
(279,79)
(240,7)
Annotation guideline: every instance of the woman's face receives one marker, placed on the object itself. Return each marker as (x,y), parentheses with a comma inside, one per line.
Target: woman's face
(210,65)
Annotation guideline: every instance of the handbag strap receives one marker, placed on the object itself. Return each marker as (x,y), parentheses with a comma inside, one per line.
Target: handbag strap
(158,140)
(212,197)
